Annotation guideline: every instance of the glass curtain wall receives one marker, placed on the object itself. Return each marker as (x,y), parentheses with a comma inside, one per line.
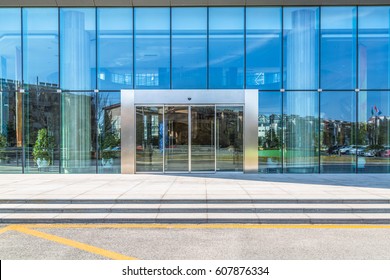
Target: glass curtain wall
(115,48)
(299,49)
(152,53)
(270,138)
(338,131)
(226,48)
(338,48)
(41,101)
(264,48)
(78,72)
(109,132)
(189,48)
(11,102)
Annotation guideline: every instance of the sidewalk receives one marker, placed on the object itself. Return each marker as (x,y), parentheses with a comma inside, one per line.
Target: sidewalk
(195,198)
(195,186)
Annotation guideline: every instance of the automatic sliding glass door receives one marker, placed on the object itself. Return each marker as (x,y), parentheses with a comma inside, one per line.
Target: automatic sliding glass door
(189,138)
(176,139)
(202,139)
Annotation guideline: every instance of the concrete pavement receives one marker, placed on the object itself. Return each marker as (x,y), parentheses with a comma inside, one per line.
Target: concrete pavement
(196,198)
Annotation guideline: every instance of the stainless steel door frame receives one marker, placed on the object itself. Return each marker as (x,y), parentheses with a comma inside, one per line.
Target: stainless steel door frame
(132,98)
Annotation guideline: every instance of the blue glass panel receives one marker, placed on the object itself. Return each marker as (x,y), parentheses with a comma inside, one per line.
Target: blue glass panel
(300,32)
(78,48)
(109,129)
(300,120)
(152,48)
(374,68)
(338,47)
(338,131)
(115,48)
(226,48)
(40,48)
(270,132)
(263,48)
(78,132)
(373,147)
(10,49)
(189,48)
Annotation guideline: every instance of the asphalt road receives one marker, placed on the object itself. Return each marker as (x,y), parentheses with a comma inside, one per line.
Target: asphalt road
(194,242)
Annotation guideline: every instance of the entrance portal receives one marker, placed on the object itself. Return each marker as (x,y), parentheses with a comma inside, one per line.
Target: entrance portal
(190,138)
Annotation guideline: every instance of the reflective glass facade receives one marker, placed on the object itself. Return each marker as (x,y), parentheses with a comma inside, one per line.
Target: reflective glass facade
(322,75)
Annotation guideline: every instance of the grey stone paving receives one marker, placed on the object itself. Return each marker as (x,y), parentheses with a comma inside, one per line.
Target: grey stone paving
(214,186)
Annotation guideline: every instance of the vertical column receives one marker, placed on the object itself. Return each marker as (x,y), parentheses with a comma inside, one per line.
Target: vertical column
(127,132)
(250,131)
(76,107)
(302,74)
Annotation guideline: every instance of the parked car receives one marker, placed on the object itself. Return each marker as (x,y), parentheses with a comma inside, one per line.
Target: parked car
(386,153)
(348,150)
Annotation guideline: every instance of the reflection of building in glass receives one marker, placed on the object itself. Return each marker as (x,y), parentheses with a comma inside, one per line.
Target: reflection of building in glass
(322,74)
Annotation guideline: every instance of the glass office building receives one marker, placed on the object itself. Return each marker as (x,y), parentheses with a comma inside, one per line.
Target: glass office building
(269,89)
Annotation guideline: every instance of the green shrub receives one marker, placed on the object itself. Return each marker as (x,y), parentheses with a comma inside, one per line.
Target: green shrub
(110,141)
(43,146)
(3,145)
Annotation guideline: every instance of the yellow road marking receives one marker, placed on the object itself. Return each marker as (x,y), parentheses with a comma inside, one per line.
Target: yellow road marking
(72,243)
(5,229)
(210,226)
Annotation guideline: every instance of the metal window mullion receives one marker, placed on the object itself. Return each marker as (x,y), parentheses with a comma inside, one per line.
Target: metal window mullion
(215,138)
(189,138)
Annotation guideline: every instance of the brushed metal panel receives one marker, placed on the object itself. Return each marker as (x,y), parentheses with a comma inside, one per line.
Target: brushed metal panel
(264,2)
(189,3)
(189,97)
(227,2)
(250,131)
(9,3)
(114,3)
(127,132)
(43,3)
(154,3)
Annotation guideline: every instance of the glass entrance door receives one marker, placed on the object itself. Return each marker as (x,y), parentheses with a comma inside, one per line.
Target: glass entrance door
(176,138)
(189,138)
(202,138)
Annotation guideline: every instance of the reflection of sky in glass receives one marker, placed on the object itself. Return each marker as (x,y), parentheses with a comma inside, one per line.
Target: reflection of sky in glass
(189,48)
(115,48)
(339,106)
(40,45)
(270,103)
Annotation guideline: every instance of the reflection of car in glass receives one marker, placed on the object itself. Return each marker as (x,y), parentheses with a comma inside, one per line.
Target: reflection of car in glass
(348,150)
(369,153)
(386,153)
